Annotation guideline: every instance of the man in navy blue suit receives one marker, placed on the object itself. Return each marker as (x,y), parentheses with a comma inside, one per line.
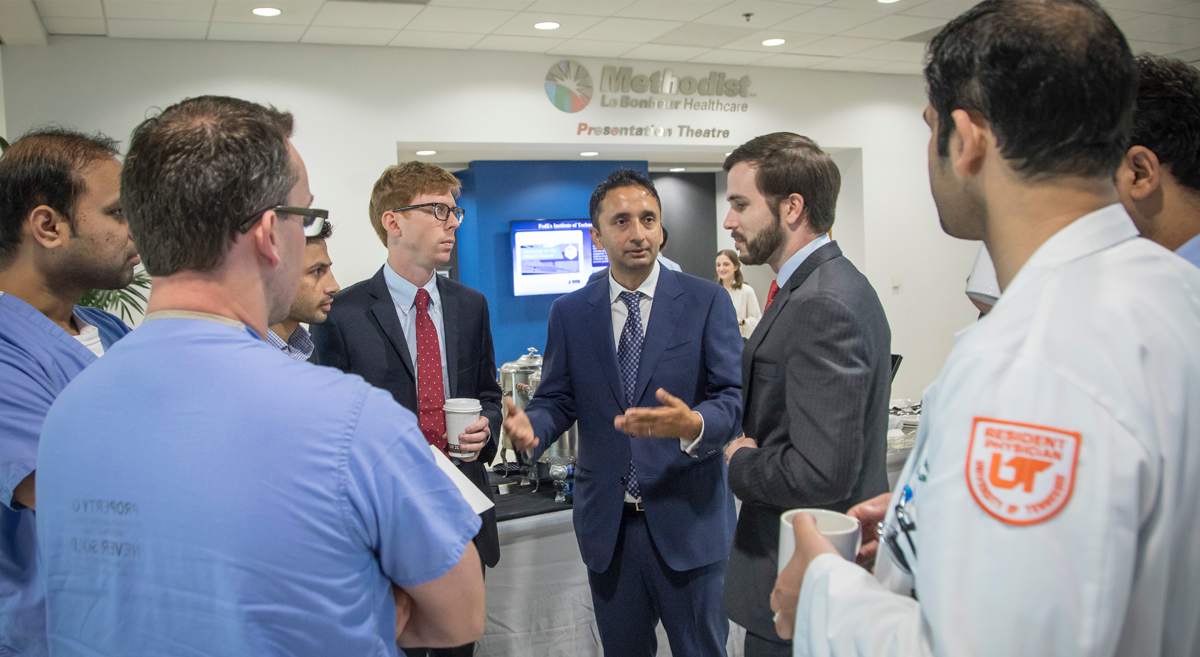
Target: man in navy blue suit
(648,361)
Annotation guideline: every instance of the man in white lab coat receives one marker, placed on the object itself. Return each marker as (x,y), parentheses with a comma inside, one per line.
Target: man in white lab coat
(1051,505)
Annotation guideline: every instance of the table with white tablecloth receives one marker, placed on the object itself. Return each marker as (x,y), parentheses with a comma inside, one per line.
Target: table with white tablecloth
(538,601)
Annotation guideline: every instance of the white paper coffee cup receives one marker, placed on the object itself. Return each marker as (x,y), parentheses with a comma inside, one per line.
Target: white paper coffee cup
(460,414)
(841,530)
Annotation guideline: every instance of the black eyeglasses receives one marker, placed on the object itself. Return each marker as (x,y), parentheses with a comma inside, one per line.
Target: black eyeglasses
(440,210)
(314,219)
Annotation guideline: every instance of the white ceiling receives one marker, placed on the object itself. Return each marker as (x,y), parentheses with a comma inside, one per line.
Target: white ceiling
(838,35)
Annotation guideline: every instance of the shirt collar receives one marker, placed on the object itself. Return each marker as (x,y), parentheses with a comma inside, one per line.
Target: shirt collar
(299,346)
(1088,234)
(793,263)
(404,294)
(647,287)
(1190,251)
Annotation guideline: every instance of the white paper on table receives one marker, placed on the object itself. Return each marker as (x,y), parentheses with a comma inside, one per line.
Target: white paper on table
(474,497)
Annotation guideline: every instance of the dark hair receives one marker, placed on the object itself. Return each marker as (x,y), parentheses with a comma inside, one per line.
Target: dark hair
(664,242)
(737,267)
(44,167)
(198,170)
(1167,118)
(1053,78)
(326,233)
(616,180)
(787,163)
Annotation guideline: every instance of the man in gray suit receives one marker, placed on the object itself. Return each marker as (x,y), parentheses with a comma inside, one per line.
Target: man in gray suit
(816,372)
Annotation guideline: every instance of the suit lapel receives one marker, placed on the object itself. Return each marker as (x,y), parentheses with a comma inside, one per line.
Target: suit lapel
(599,321)
(806,268)
(664,314)
(451,308)
(384,310)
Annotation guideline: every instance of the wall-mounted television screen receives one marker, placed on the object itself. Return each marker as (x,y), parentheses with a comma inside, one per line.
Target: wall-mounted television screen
(553,256)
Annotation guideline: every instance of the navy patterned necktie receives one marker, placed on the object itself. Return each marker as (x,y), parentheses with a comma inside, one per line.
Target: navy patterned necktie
(629,353)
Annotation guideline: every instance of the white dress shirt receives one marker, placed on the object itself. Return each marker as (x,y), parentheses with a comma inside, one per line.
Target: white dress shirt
(1088,370)
(404,297)
(620,313)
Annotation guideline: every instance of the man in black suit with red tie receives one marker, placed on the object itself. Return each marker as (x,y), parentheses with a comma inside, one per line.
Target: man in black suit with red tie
(420,336)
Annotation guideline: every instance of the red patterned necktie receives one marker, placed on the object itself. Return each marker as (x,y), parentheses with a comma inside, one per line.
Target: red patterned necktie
(431,396)
(771,294)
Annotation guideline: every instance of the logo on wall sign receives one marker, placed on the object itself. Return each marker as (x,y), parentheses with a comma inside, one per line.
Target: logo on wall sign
(569,86)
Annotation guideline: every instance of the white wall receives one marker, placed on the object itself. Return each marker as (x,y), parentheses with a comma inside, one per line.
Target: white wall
(352,104)
(3,118)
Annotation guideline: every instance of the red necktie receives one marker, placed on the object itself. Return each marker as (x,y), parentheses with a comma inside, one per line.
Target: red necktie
(771,294)
(431,397)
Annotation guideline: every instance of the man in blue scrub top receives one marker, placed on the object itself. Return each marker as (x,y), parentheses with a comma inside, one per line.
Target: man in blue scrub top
(1159,179)
(61,233)
(202,495)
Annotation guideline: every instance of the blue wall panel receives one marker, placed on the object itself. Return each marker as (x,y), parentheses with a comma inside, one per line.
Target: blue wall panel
(496,193)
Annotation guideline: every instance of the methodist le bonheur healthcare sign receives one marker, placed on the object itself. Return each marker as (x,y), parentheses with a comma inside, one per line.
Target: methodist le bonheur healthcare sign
(570,88)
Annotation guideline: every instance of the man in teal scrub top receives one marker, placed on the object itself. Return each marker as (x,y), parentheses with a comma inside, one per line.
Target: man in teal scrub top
(200,495)
(61,233)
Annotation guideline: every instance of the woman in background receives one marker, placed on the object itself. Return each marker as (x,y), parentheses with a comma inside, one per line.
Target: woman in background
(745,302)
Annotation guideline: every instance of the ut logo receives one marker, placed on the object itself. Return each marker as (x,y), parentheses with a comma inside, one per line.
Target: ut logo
(1025,469)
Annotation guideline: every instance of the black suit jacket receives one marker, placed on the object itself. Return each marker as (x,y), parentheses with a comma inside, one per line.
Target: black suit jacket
(363,336)
(816,375)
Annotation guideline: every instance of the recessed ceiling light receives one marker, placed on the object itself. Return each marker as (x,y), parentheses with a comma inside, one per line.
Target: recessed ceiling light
(728,154)
(266,11)
(774,42)
(547,25)
(677,169)
(426,152)
(888,2)
(589,153)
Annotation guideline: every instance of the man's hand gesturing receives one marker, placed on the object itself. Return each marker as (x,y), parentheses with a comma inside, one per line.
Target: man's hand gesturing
(517,427)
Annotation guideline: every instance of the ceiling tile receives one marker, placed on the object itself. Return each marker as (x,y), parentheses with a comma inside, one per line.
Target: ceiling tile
(128,28)
(730,57)
(894,27)
(1153,6)
(824,20)
(837,46)
(764,14)
(664,53)
(458,19)
(847,64)
(1119,15)
(377,15)
(506,5)
(1186,35)
(569,25)
(792,61)
(900,68)
(1138,47)
(703,35)
(92,26)
(628,29)
(670,10)
(21,25)
(175,10)
(349,36)
(1190,55)
(443,40)
(791,40)
(1190,10)
(1151,23)
(874,6)
(945,9)
(585,48)
(581,7)
(69,8)
(295,12)
(252,32)
(517,43)
(896,51)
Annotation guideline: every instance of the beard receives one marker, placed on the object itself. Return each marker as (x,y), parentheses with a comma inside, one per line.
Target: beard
(762,246)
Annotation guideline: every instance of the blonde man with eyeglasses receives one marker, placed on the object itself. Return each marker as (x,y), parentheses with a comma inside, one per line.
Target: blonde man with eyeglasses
(420,336)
